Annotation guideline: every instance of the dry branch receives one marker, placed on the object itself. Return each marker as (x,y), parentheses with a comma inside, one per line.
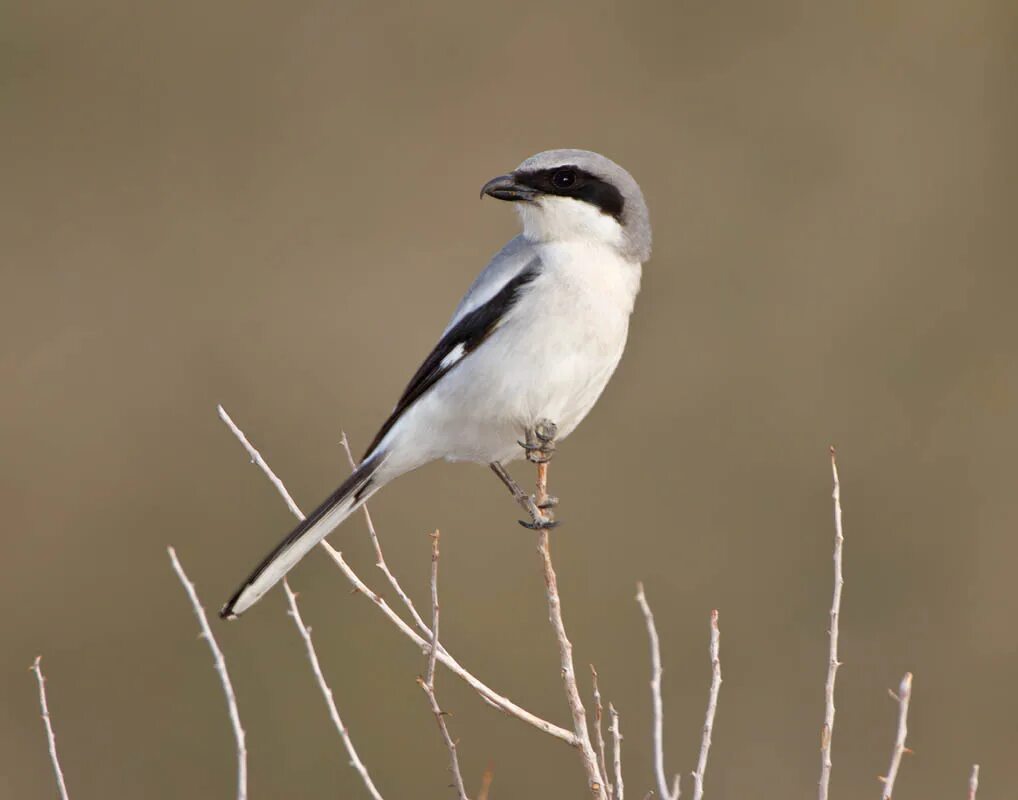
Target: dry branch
(599,731)
(712,705)
(224,676)
(973,782)
(330,702)
(428,682)
(595,783)
(50,736)
(587,755)
(380,557)
(658,705)
(616,751)
(903,697)
(827,732)
(488,694)
(486,780)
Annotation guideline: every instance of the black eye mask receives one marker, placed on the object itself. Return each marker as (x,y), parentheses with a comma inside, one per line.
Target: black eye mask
(569,181)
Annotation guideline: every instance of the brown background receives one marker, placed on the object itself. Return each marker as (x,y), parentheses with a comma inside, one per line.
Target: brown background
(274,206)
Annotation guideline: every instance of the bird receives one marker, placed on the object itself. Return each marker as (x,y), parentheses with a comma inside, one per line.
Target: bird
(536,337)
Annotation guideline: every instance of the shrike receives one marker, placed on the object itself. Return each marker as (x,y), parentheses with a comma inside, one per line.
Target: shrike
(536,337)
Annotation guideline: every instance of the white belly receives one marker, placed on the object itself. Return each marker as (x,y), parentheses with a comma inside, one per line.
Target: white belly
(550,359)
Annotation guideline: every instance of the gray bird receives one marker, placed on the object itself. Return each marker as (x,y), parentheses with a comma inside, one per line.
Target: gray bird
(536,337)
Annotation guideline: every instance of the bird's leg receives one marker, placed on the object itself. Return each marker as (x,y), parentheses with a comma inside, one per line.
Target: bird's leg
(540,447)
(520,496)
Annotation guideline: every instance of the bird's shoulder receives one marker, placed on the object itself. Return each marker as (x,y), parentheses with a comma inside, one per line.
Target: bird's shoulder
(486,305)
(518,255)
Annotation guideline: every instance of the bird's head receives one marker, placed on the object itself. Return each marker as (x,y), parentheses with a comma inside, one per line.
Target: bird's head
(564,195)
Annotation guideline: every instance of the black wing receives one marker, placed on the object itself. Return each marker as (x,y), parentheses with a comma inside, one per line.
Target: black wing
(467,335)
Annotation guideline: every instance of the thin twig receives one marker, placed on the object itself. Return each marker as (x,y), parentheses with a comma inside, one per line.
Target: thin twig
(658,705)
(599,731)
(428,682)
(616,751)
(316,667)
(827,732)
(902,697)
(588,757)
(50,736)
(224,676)
(257,460)
(973,782)
(488,694)
(429,675)
(712,705)
(380,558)
(486,779)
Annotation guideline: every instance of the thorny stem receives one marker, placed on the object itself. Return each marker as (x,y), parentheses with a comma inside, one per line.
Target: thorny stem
(827,731)
(224,676)
(903,697)
(595,782)
(599,731)
(616,752)
(712,705)
(428,682)
(330,701)
(658,704)
(50,736)
(487,694)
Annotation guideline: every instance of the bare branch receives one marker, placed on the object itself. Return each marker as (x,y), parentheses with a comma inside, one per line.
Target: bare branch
(827,732)
(973,782)
(616,752)
(903,697)
(486,779)
(256,459)
(599,731)
(658,705)
(488,694)
(428,682)
(380,558)
(712,705)
(50,736)
(595,783)
(429,676)
(224,676)
(316,667)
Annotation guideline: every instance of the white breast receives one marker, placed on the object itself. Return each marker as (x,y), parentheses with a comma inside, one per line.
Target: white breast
(550,358)
(579,311)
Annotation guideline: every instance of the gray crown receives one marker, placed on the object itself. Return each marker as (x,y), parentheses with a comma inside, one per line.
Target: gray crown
(635,217)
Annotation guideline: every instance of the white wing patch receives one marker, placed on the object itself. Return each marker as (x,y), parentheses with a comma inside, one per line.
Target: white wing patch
(453,356)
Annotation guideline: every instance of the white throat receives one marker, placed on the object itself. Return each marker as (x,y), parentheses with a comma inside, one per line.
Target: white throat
(564,219)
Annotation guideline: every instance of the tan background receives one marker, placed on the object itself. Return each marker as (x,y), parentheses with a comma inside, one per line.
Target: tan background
(274,206)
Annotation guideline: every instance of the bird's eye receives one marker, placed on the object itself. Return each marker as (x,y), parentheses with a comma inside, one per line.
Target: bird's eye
(563,178)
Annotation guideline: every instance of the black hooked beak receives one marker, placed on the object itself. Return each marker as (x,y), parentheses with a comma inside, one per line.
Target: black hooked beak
(506,187)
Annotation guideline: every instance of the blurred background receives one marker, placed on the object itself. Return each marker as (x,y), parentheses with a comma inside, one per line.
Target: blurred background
(274,206)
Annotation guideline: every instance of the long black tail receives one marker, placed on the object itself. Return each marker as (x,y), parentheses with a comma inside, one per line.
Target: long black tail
(319,524)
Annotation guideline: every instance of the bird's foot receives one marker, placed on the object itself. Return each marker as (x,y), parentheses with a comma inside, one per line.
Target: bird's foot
(540,514)
(538,452)
(540,524)
(540,443)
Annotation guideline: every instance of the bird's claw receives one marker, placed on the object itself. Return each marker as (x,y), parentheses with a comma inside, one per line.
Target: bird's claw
(540,524)
(540,443)
(540,516)
(538,452)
